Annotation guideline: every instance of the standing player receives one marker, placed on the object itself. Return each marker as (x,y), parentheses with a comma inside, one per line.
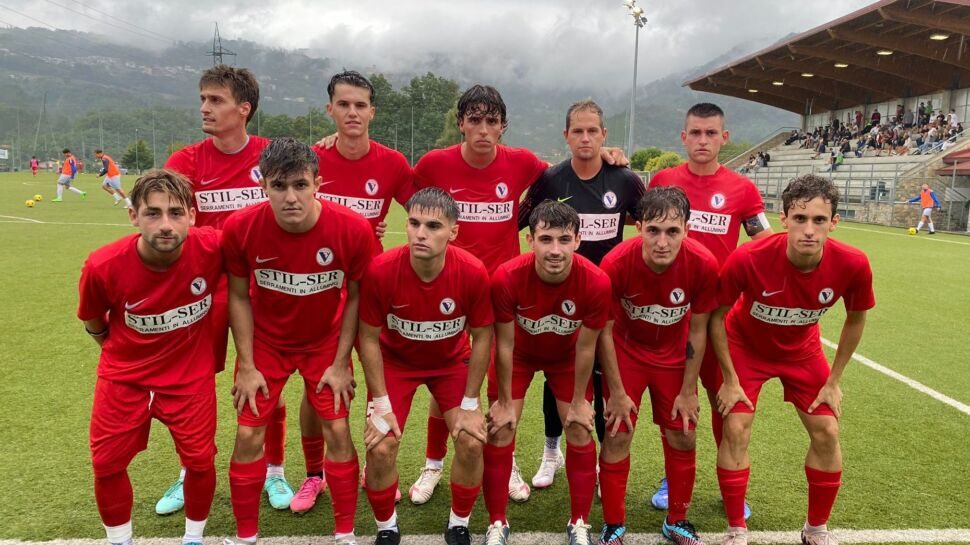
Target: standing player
(550,306)
(664,287)
(928,202)
(146,300)
(68,171)
(34,165)
(112,178)
(776,291)
(606,197)
(306,257)
(419,304)
(721,202)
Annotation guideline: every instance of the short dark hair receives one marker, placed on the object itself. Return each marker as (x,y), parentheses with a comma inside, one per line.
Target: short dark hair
(664,202)
(161,180)
(586,105)
(434,198)
(240,82)
(97,151)
(704,110)
(552,214)
(285,156)
(352,78)
(807,187)
(484,100)
(65,150)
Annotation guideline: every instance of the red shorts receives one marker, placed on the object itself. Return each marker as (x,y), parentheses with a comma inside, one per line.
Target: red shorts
(664,384)
(802,379)
(561,378)
(446,385)
(710,373)
(277,366)
(121,420)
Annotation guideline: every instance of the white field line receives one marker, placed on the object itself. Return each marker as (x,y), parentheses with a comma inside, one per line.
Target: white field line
(962,407)
(17,219)
(21,220)
(951,535)
(922,236)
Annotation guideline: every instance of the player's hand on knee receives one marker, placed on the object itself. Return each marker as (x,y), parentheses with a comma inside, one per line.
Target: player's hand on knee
(378,427)
(687,408)
(249,381)
(729,395)
(471,422)
(580,413)
(500,415)
(617,411)
(341,380)
(831,395)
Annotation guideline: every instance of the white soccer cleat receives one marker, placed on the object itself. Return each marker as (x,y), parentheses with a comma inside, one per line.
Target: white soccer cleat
(518,491)
(736,535)
(547,470)
(423,488)
(820,536)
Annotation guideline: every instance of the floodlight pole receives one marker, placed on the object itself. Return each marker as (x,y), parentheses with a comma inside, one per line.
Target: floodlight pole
(639,21)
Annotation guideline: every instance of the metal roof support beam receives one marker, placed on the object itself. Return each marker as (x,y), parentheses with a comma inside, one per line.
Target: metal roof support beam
(862,77)
(937,21)
(939,54)
(830,90)
(933,74)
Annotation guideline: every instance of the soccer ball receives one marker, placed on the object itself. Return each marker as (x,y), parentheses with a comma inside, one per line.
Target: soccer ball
(29,203)
(912,231)
(38,197)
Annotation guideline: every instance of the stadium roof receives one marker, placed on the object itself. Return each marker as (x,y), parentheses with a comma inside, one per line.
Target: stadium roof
(888,50)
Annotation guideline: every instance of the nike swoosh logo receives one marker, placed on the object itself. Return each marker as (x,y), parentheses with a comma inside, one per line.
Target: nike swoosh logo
(564,199)
(207,182)
(631,296)
(399,306)
(520,307)
(260,260)
(767,293)
(129,306)
(453,190)
(327,182)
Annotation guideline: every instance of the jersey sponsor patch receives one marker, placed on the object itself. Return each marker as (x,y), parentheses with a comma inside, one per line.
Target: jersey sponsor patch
(825,296)
(786,316)
(368,208)
(225,200)
(485,212)
(371,186)
(709,222)
(501,190)
(552,323)
(447,306)
(426,331)
(298,284)
(610,200)
(197,286)
(255,175)
(170,320)
(718,201)
(655,314)
(593,227)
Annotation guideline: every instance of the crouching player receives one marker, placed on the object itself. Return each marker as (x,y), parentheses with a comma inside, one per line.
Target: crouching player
(145,300)
(550,306)
(772,294)
(664,288)
(304,256)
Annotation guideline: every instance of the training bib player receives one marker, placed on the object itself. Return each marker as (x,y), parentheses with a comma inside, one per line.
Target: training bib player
(112,178)
(69,170)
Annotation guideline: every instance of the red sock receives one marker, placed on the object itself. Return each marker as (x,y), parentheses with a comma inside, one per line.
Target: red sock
(200,487)
(463,498)
(581,474)
(681,468)
(734,485)
(495,480)
(717,426)
(275,442)
(342,480)
(437,447)
(613,479)
(382,502)
(823,487)
(313,448)
(245,485)
(114,498)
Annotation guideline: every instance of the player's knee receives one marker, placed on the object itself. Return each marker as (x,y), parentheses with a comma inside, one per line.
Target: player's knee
(501,437)
(680,441)
(467,447)
(825,434)
(736,430)
(384,453)
(577,434)
(617,447)
(201,462)
(249,443)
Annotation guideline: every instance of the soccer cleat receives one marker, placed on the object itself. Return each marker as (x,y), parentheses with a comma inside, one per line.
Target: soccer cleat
(278,492)
(388,537)
(84,195)
(518,491)
(612,534)
(423,488)
(172,500)
(681,533)
(747,511)
(306,496)
(497,534)
(458,535)
(659,499)
(821,536)
(345,540)
(736,535)
(931,233)
(547,470)
(57,199)
(237,541)
(578,533)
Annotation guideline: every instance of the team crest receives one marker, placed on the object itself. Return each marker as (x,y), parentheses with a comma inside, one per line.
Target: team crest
(324,256)
(609,199)
(569,307)
(717,201)
(255,175)
(501,190)
(197,287)
(677,296)
(825,296)
(371,187)
(447,306)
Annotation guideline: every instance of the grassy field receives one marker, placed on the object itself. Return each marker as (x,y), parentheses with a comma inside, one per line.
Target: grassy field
(906,461)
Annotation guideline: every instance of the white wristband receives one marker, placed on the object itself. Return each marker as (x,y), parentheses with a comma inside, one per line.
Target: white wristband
(469,403)
(379,423)
(382,405)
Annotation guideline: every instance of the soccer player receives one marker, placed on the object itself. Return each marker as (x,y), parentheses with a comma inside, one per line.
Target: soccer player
(664,288)
(419,305)
(68,171)
(776,291)
(721,202)
(146,300)
(306,258)
(550,306)
(224,172)
(112,178)
(928,202)
(606,198)
(34,164)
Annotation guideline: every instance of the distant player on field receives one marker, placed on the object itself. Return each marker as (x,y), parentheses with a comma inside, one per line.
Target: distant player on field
(146,300)
(69,170)
(112,178)
(420,303)
(34,164)
(928,202)
(721,202)
(294,267)
(772,294)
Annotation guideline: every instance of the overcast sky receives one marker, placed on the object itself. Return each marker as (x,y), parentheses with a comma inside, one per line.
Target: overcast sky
(546,41)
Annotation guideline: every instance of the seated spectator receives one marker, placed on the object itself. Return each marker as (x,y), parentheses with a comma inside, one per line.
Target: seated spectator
(820,149)
(861,144)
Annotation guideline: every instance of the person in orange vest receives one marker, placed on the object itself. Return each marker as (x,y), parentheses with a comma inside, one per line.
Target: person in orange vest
(112,178)
(69,170)
(927,201)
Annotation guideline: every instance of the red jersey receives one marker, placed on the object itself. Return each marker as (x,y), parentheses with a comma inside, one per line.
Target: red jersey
(222,182)
(488,198)
(719,204)
(423,324)
(652,311)
(776,307)
(366,185)
(548,316)
(160,335)
(297,279)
